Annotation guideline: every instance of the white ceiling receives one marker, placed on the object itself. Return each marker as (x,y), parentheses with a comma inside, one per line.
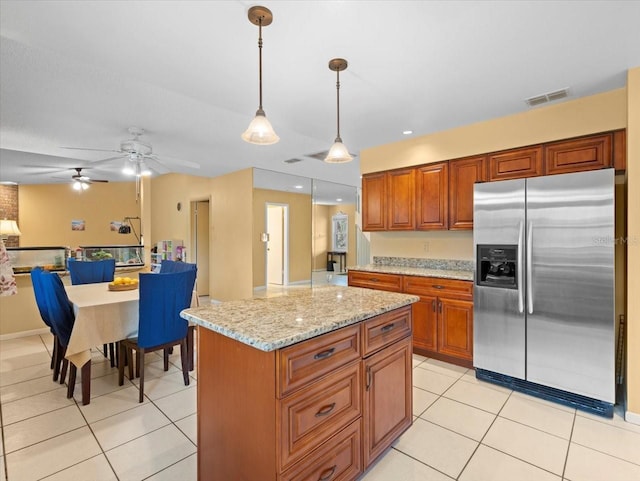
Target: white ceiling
(80,73)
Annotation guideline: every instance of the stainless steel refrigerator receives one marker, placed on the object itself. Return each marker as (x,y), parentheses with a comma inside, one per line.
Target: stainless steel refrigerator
(544,287)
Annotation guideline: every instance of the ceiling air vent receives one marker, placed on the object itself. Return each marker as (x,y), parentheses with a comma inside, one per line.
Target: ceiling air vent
(548,97)
(292,161)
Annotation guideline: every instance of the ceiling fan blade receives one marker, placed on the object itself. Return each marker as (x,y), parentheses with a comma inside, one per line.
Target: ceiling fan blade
(98,180)
(166,160)
(94,150)
(156,165)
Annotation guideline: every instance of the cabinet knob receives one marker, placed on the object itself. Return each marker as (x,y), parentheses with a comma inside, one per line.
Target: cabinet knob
(373,279)
(438,286)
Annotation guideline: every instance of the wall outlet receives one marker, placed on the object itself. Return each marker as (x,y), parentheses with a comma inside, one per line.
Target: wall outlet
(425,247)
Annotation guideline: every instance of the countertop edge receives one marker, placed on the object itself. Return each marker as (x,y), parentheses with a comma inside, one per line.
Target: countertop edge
(416,271)
(189,315)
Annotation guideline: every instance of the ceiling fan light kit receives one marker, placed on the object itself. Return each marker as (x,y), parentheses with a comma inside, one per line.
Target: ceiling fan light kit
(338,153)
(260,131)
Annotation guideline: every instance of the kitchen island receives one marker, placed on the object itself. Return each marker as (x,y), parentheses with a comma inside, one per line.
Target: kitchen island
(314,384)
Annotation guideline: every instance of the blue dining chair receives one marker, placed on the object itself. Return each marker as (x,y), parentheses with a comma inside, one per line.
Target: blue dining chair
(91,272)
(162,298)
(60,313)
(41,301)
(167,267)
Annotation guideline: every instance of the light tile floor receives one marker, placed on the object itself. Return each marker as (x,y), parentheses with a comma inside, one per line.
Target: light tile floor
(463,429)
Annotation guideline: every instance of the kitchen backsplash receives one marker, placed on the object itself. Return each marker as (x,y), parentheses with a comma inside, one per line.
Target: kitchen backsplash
(449,264)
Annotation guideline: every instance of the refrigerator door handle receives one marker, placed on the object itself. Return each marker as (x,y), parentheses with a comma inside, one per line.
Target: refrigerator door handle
(530,267)
(520,265)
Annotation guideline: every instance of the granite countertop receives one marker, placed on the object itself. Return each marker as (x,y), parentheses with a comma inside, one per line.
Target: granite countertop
(463,275)
(276,322)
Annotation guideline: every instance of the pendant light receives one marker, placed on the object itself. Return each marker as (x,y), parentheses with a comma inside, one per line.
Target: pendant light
(338,153)
(260,131)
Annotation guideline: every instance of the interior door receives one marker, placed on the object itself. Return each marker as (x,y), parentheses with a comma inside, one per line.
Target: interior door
(275,244)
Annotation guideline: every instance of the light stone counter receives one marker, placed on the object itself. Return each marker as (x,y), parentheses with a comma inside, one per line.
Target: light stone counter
(276,322)
(462,275)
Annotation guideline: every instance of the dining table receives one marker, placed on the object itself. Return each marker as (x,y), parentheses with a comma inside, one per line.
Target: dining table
(102,316)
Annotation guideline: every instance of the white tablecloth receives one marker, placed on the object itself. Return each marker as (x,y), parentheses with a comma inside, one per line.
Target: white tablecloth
(102,316)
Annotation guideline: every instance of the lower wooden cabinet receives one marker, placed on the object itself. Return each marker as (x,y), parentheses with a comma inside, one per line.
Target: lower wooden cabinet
(322,409)
(387,398)
(442,320)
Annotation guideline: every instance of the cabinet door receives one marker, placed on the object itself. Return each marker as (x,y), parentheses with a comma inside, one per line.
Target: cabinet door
(425,323)
(387,398)
(455,328)
(463,173)
(587,153)
(374,201)
(516,164)
(401,186)
(432,196)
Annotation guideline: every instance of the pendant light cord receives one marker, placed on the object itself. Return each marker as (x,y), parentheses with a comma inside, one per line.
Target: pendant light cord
(260,60)
(338,139)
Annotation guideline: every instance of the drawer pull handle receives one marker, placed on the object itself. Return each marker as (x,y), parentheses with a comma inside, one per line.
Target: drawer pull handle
(440,307)
(388,327)
(324,354)
(328,474)
(373,279)
(368,378)
(438,286)
(433,305)
(325,410)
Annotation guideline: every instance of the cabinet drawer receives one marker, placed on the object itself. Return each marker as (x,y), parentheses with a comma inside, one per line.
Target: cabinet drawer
(436,286)
(309,360)
(375,280)
(385,329)
(339,459)
(314,414)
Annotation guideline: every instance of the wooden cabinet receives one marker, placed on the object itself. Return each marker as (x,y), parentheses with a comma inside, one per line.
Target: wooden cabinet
(576,155)
(401,197)
(432,196)
(374,202)
(516,163)
(374,280)
(463,173)
(443,318)
(324,408)
(387,398)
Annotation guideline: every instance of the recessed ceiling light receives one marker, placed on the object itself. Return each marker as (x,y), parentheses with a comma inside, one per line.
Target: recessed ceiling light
(407,132)
(338,200)
(297,186)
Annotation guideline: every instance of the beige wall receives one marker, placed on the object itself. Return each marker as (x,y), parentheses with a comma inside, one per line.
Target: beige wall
(439,244)
(231,234)
(46,212)
(322,225)
(299,233)
(633,244)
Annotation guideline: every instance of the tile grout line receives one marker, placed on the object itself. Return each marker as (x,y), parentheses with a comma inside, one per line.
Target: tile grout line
(566,458)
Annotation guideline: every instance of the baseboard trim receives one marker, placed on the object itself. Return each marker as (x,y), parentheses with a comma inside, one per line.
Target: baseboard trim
(631,417)
(17,335)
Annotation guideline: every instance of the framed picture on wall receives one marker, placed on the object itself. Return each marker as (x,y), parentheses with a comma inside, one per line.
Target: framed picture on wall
(339,232)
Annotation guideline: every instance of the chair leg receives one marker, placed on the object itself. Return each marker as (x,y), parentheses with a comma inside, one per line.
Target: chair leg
(140,366)
(86,383)
(190,331)
(62,350)
(165,357)
(104,350)
(54,353)
(72,381)
(112,354)
(121,358)
(184,357)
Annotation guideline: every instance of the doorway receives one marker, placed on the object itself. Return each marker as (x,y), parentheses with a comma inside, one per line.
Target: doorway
(200,243)
(277,245)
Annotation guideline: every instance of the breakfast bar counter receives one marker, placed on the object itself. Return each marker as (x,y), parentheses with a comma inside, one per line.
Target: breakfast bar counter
(313,384)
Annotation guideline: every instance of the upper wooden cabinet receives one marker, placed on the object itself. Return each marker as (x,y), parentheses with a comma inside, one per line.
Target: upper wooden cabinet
(374,201)
(401,198)
(587,153)
(432,196)
(463,173)
(516,163)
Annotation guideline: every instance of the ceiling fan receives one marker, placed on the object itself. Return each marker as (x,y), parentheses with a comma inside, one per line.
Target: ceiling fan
(138,155)
(81,182)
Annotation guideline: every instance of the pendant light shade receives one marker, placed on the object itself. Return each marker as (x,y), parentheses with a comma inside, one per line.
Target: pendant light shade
(338,153)
(260,131)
